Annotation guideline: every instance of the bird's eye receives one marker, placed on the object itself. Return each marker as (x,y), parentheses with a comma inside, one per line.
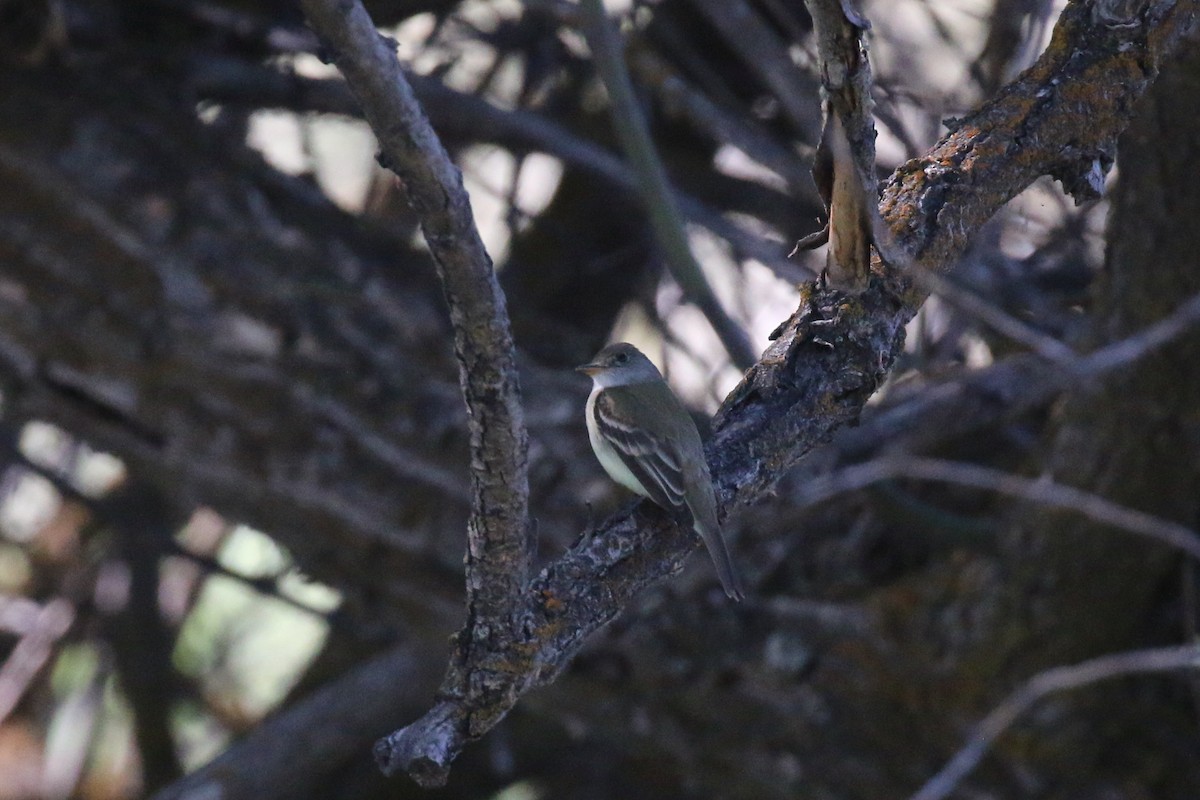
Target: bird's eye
(622,358)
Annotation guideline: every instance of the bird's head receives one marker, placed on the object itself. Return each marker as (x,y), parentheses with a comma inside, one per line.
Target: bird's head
(620,364)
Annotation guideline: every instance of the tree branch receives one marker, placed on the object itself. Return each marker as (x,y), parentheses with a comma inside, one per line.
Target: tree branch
(762,51)
(40,628)
(976,399)
(1040,490)
(1133,348)
(1059,679)
(934,204)
(995,317)
(498,555)
(679,98)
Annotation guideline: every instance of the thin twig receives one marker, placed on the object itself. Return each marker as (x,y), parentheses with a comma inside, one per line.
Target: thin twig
(1059,679)
(975,399)
(1042,491)
(39,634)
(498,557)
(1191,632)
(269,586)
(765,55)
(720,125)
(1136,347)
(408,464)
(994,317)
(653,184)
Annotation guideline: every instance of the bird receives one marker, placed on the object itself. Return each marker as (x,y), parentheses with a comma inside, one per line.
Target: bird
(647,442)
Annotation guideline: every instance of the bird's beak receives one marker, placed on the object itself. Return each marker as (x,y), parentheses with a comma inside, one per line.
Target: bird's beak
(589,369)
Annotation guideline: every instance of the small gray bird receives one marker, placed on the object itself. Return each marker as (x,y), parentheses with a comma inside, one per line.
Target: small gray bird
(646,442)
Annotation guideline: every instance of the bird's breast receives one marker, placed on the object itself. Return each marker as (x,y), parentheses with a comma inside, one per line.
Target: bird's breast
(606,454)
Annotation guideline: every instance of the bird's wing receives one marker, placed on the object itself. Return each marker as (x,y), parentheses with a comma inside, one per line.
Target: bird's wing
(652,456)
(655,459)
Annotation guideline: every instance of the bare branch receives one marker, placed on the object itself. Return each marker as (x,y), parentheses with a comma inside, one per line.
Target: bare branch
(1041,490)
(1136,347)
(1059,679)
(653,184)
(994,317)
(1014,28)
(975,399)
(497,553)
(974,170)
(678,97)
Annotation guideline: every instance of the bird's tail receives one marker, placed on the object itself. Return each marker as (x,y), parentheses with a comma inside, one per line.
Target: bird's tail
(726,572)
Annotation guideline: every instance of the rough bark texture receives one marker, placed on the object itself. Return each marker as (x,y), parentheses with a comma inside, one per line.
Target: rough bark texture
(1090,71)
(498,552)
(1062,588)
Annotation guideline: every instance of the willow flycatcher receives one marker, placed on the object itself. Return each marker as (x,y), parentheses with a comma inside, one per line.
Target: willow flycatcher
(646,442)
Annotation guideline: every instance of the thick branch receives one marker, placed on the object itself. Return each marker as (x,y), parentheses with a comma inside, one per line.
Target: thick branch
(497,553)
(1035,126)
(829,358)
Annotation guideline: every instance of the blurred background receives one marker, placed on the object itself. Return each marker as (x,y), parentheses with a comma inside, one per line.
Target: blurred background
(233,465)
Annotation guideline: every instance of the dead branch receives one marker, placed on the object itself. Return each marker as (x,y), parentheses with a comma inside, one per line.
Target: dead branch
(1059,679)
